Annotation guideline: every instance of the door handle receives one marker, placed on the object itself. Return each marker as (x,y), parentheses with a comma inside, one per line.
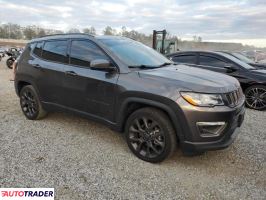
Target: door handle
(71,73)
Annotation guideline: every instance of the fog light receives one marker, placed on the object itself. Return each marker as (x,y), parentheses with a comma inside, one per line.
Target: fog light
(211,129)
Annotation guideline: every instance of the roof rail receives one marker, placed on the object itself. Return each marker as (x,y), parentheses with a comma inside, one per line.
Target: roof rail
(66,34)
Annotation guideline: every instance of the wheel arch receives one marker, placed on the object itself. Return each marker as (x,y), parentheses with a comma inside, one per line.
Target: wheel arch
(132,104)
(19,84)
(245,86)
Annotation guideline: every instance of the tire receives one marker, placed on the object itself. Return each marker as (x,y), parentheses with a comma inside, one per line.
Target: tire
(256,97)
(30,103)
(9,63)
(150,135)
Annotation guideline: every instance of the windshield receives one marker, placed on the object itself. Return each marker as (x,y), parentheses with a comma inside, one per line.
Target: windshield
(243,58)
(236,60)
(134,53)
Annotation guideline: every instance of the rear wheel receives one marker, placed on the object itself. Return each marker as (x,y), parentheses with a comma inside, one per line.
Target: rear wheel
(150,135)
(256,97)
(30,103)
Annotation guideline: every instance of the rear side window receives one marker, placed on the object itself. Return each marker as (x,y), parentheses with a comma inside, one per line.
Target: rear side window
(189,59)
(55,51)
(212,61)
(38,49)
(31,46)
(83,52)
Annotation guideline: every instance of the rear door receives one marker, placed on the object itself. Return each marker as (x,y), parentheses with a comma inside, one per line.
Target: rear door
(48,64)
(85,89)
(218,64)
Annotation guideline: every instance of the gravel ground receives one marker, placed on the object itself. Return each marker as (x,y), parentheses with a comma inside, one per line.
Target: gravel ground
(82,159)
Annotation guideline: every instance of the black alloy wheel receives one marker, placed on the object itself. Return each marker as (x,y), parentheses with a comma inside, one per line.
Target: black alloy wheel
(30,103)
(146,137)
(256,97)
(150,135)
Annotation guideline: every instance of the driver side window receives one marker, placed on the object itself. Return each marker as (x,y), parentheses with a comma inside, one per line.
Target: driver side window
(212,61)
(83,52)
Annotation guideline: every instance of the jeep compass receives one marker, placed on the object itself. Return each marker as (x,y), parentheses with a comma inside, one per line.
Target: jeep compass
(132,89)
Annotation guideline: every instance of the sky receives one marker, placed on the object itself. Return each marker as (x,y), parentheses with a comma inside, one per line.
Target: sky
(221,20)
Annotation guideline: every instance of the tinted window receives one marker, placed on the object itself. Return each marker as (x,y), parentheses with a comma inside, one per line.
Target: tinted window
(134,53)
(31,46)
(235,60)
(83,52)
(190,59)
(211,61)
(38,49)
(55,51)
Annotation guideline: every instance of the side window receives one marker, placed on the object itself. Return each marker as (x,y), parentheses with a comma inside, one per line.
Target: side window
(211,61)
(31,46)
(190,59)
(55,51)
(38,49)
(83,52)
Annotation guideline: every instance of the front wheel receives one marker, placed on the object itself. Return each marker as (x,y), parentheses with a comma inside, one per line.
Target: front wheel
(256,97)
(150,135)
(30,103)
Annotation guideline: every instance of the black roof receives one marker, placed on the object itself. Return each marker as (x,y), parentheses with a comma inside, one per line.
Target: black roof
(76,35)
(60,36)
(195,51)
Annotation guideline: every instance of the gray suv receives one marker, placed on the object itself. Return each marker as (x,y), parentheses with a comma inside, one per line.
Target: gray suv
(132,89)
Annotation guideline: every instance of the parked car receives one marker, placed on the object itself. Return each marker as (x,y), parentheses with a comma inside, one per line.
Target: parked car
(133,89)
(247,60)
(252,80)
(256,55)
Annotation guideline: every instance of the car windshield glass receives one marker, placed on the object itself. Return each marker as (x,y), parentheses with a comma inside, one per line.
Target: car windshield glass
(237,61)
(134,53)
(243,58)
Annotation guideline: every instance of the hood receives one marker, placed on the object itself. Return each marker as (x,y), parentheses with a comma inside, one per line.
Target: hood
(193,79)
(259,71)
(259,65)
(260,74)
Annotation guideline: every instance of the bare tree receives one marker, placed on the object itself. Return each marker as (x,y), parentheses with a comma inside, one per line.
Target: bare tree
(73,30)
(90,30)
(29,33)
(109,31)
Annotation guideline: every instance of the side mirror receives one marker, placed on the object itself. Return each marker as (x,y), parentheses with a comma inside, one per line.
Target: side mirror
(101,64)
(230,68)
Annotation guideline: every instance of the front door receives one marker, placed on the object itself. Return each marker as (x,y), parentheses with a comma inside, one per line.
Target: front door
(87,90)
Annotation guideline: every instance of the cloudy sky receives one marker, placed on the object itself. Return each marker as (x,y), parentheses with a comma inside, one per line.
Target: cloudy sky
(224,20)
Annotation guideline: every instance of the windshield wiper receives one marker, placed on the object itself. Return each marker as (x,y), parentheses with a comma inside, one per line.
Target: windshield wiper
(142,66)
(166,63)
(150,66)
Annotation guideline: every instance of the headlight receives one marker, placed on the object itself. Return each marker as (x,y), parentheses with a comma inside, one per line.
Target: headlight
(198,99)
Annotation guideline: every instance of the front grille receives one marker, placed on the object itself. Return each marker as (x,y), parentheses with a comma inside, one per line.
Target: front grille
(233,98)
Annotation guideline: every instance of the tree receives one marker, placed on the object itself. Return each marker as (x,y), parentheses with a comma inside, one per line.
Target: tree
(41,32)
(73,30)
(124,31)
(197,38)
(29,33)
(14,31)
(109,31)
(90,30)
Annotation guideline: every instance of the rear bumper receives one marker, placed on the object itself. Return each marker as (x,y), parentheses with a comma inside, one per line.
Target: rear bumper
(194,142)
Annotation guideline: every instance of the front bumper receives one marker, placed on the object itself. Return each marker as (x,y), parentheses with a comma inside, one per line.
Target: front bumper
(194,142)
